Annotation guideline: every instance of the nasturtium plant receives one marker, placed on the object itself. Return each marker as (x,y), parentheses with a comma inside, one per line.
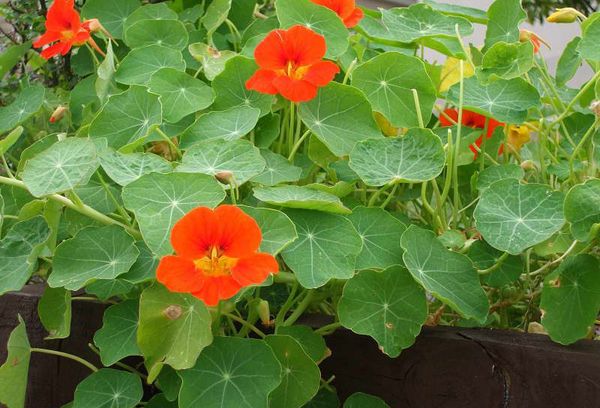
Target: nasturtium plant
(211,175)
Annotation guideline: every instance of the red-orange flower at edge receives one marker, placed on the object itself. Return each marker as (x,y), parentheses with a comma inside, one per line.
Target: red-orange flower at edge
(345,9)
(63,28)
(216,254)
(473,120)
(290,64)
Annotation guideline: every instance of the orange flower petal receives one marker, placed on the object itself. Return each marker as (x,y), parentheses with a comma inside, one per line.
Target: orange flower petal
(262,81)
(321,73)
(354,18)
(179,274)
(194,234)
(303,46)
(255,269)
(217,288)
(53,50)
(240,235)
(47,38)
(296,90)
(271,53)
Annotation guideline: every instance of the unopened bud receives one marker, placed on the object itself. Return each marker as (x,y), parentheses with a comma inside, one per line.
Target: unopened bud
(536,40)
(528,165)
(595,107)
(264,312)
(518,136)
(173,312)
(58,114)
(565,15)
(225,177)
(93,25)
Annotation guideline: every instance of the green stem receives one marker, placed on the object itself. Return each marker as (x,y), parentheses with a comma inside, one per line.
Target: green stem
(327,329)
(418,108)
(495,266)
(582,92)
(390,196)
(65,355)
(579,146)
(245,324)
(349,70)
(6,167)
(376,195)
(112,197)
(84,209)
(456,201)
(284,277)
(279,319)
(167,139)
(300,309)
(297,146)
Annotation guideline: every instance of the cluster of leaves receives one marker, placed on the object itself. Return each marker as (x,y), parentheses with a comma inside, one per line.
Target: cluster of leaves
(379,217)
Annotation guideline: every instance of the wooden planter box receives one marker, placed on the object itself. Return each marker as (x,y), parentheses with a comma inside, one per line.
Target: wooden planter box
(447,367)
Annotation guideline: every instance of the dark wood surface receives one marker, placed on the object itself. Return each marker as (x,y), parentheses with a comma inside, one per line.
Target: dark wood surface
(447,367)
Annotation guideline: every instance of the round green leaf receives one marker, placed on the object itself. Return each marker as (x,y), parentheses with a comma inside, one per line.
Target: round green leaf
(25,105)
(317,18)
(117,337)
(15,370)
(108,388)
(124,168)
(448,275)
(300,375)
(408,24)
(388,306)
(500,172)
(571,299)
(312,343)
(504,19)
(380,233)
(417,156)
(111,13)
(388,81)
(140,64)
(127,118)
(278,231)
(231,372)
(230,87)
(54,310)
(181,94)
(340,116)
(506,61)
(278,170)
(504,100)
(513,217)
(160,200)
(229,125)
(157,11)
(94,253)
(164,333)
(326,248)
(301,197)
(361,400)
(582,208)
(211,157)
(168,33)
(484,256)
(62,167)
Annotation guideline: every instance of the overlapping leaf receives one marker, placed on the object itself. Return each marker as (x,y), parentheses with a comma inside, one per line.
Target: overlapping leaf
(14,371)
(140,64)
(582,208)
(301,197)
(127,168)
(117,337)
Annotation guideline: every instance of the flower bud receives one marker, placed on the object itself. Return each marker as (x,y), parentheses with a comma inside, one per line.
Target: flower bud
(58,114)
(93,25)
(264,312)
(595,107)
(536,40)
(528,165)
(518,136)
(565,15)
(225,177)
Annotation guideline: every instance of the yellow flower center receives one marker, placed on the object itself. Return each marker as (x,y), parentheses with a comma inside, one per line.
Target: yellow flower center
(215,264)
(295,72)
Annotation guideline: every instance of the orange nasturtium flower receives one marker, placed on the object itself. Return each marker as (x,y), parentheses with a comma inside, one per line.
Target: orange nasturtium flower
(63,28)
(346,9)
(291,64)
(216,254)
(473,120)
(536,40)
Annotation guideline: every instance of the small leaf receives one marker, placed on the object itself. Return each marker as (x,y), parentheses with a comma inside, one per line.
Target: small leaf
(417,156)
(571,299)
(388,81)
(582,208)
(506,61)
(212,60)
(117,337)
(126,168)
(388,306)
(94,253)
(324,399)
(111,13)
(18,252)
(361,400)
(127,118)
(105,84)
(569,62)
(312,343)
(25,105)
(301,197)
(239,157)
(278,231)
(228,125)
(317,18)
(109,388)
(300,375)
(168,33)
(448,275)
(141,63)
(513,217)
(278,170)
(54,310)
(160,200)
(340,116)
(326,248)
(62,167)
(166,321)
(504,16)
(11,56)
(379,231)
(14,371)
(10,139)
(231,372)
